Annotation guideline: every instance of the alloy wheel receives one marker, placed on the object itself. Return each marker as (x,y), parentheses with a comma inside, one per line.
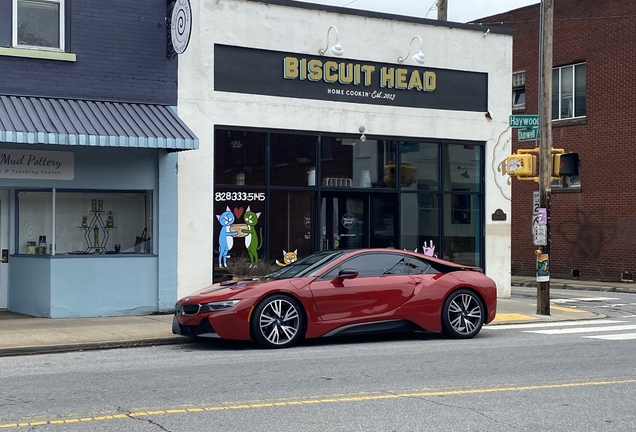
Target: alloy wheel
(463,315)
(279,321)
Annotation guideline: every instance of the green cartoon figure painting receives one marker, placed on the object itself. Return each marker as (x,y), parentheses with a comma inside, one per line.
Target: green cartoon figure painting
(252,241)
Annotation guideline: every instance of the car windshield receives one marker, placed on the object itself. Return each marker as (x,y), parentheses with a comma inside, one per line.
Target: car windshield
(307,266)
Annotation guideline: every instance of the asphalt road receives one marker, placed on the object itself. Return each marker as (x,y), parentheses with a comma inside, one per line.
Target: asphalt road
(551,377)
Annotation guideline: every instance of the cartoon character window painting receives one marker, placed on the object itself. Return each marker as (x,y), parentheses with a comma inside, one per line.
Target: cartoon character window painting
(252,241)
(429,250)
(288,258)
(226,236)
(246,230)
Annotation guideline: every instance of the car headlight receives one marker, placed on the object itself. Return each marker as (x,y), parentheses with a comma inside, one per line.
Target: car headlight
(221,305)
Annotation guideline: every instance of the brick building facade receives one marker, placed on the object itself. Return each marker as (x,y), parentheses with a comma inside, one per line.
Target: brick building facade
(121,55)
(593,225)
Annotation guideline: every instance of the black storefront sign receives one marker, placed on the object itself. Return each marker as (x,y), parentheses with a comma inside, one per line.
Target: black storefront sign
(276,73)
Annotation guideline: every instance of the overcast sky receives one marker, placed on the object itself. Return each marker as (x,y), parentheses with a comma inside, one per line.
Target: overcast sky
(458,10)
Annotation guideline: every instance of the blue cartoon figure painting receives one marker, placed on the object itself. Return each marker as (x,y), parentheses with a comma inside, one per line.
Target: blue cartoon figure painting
(226,236)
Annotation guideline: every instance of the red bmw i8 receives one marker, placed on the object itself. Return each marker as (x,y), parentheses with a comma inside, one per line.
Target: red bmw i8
(343,292)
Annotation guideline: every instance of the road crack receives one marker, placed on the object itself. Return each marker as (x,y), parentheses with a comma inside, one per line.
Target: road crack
(146,420)
(473,410)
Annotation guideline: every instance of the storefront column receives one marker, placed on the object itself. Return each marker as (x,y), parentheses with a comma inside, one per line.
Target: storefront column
(166,207)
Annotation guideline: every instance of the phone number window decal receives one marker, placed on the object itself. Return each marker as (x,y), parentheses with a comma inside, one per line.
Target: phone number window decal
(239,196)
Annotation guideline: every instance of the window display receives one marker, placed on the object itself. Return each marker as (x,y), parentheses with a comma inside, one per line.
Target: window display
(83,222)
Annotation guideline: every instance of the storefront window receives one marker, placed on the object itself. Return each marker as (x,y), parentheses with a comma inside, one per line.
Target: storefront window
(419,166)
(461,167)
(421,195)
(239,230)
(420,222)
(383,223)
(35,226)
(359,164)
(293,159)
(292,219)
(239,157)
(85,222)
(462,228)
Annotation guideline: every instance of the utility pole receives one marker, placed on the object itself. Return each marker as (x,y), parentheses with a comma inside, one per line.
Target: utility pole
(442,10)
(545,153)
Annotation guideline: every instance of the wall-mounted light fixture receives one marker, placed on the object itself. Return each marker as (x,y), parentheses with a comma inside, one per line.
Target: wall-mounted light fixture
(336,49)
(419,57)
(465,173)
(486,33)
(363,137)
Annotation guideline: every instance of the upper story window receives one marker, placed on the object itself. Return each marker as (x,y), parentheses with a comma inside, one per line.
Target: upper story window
(568,91)
(519,90)
(38,24)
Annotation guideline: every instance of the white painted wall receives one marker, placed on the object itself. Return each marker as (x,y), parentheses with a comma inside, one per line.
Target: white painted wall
(304,31)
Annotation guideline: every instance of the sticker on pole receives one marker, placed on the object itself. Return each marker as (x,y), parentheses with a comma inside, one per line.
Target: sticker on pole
(543,268)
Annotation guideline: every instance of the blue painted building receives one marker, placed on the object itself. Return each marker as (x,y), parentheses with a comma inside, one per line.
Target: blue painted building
(89,137)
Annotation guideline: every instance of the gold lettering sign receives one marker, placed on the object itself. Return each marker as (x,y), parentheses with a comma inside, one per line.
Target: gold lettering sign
(331,71)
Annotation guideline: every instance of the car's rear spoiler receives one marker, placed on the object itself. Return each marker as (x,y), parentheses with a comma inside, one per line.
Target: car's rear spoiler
(449,266)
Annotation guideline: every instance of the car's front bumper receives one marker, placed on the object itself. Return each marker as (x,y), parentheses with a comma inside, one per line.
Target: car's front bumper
(203,329)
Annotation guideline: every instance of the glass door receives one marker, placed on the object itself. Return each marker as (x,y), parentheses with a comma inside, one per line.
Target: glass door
(350,220)
(383,221)
(343,221)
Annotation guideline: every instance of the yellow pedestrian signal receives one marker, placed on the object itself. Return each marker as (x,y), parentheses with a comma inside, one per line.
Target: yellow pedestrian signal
(521,165)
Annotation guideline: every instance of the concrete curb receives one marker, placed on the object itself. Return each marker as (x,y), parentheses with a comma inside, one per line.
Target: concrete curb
(86,346)
(578,286)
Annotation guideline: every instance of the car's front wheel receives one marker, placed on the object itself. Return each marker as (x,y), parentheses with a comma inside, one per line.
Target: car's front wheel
(462,314)
(277,322)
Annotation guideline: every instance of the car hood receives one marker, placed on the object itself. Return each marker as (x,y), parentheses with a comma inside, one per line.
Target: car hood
(229,289)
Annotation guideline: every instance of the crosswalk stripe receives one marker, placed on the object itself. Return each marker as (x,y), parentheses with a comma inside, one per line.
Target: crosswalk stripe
(623,336)
(552,324)
(613,305)
(583,329)
(583,299)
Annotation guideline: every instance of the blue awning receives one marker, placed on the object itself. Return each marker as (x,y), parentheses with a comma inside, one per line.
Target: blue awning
(33,120)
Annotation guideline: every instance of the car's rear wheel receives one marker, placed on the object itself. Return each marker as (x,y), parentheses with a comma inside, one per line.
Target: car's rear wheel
(462,314)
(277,322)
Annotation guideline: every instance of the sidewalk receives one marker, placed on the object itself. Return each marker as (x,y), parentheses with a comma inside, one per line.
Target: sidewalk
(22,334)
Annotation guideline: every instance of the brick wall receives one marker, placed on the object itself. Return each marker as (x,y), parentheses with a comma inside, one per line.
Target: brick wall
(593,230)
(121,55)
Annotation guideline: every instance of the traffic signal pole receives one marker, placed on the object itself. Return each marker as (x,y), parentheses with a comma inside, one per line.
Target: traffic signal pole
(545,153)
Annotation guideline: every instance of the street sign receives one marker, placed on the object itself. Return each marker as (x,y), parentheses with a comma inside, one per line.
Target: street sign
(524,121)
(529,134)
(536,203)
(543,216)
(540,235)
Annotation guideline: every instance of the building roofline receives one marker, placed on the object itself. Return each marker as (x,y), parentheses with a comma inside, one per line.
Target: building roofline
(488,20)
(383,15)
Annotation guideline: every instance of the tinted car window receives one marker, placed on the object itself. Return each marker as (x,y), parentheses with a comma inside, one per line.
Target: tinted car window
(306,266)
(376,264)
(417,266)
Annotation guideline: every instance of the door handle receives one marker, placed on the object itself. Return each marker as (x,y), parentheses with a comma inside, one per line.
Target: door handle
(5,255)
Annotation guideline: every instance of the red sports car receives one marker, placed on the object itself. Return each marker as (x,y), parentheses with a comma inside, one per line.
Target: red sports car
(343,292)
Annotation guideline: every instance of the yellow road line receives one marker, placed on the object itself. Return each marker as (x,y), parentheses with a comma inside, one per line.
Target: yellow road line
(512,317)
(341,399)
(566,309)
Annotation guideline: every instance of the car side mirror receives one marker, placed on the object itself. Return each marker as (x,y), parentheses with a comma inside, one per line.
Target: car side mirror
(346,273)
